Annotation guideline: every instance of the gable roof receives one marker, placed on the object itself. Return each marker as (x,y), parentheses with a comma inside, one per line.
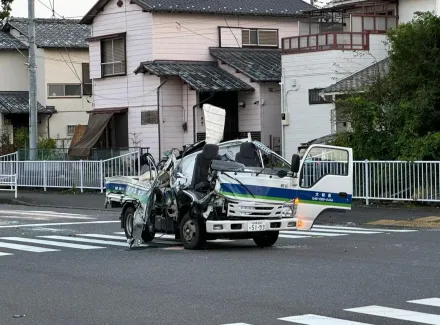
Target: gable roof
(203,76)
(360,79)
(258,64)
(53,33)
(7,42)
(235,7)
(17,102)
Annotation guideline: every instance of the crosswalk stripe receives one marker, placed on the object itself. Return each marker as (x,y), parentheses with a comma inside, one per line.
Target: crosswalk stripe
(364,229)
(119,233)
(401,314)
(50,243)
(59,224)
(27,248)
(434,302)
(237,324)
(86,240)
(5,213)
(281,235)
(311,319)
(5,254)
(103,236)
(311,233)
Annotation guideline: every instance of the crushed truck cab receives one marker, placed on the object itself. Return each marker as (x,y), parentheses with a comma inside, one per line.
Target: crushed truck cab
(236,189)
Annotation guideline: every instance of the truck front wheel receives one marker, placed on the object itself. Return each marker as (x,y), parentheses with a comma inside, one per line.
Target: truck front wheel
(267,239)
(192,232)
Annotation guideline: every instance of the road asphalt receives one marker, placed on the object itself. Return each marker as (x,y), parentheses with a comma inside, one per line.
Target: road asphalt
(225,283)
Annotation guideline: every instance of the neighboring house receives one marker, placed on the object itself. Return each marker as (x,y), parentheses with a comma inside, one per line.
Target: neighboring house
(340,48)
(64,88)
(154,63)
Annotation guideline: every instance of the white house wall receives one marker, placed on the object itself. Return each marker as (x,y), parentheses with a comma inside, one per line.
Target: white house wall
(14,71)
(270,113)
(193,34)
(65,67)
(305,71)
(123,91)
(407,8)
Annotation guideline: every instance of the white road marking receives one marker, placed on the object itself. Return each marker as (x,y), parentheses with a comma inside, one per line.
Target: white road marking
(311,319)
(5,254)
(103,236)
(401,314)
(50,243)
(365,229)
(58,224)
(86,240)
(281,235)
(237,324)
(311,233)
(119,233)
(27,248)
(434,302)
(346,231)
(9,213)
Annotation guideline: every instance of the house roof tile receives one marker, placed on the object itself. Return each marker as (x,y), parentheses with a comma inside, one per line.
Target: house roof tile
(202,76)
(17,102)
(53,33)
(360,79)
(7,42)
(235,7)
(257,64)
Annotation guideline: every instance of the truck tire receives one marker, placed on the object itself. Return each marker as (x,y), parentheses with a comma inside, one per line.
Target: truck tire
(192,232)
(127,221)
(267,239)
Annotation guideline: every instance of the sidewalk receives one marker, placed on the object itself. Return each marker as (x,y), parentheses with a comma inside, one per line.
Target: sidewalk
(380,216)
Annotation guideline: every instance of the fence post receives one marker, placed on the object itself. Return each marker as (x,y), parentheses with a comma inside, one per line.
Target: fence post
(139,162)
(81,165)
(367,182)
(44,175)
(16,189)
(16,165)
(101,176)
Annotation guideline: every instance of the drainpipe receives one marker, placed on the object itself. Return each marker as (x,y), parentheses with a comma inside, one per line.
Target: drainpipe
(158,117)
(194,115)
(48,125)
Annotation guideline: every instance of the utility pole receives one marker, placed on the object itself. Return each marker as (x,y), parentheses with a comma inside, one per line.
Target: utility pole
(32,83)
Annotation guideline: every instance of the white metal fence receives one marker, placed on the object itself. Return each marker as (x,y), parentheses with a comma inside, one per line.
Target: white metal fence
(82,174)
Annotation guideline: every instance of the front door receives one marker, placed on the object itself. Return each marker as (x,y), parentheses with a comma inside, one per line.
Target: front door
(325,182)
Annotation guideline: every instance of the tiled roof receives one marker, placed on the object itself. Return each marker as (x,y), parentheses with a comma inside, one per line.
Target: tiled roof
(202,76)
(16,102)
(257,64)
(7,42)
(53,33)
(360,79)
(235,7)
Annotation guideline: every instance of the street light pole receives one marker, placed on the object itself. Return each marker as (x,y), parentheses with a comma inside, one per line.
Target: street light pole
(32,83)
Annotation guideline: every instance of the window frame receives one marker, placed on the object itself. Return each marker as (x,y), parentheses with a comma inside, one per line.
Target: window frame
(124,62)
(86,74)
(49,96)
(277,45)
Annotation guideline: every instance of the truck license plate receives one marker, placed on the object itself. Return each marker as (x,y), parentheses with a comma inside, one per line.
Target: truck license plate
(256,226)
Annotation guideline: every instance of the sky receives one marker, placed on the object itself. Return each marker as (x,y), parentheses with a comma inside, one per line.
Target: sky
(66,8)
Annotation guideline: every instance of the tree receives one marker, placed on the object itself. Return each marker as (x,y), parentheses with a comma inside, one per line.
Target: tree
(5,8)
(398,116)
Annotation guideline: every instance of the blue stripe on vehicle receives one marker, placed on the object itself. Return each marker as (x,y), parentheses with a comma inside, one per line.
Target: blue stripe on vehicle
(263,192)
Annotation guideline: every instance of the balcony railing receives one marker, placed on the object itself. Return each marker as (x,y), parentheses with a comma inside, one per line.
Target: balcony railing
(325,42)
(372,23)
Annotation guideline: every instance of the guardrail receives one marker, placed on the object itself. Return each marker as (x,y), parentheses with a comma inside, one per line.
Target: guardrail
(9,181)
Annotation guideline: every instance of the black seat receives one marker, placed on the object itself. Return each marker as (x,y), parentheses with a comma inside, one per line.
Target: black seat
(201,167)
(247,155)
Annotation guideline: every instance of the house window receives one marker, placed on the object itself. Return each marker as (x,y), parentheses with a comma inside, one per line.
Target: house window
(86,81)
(259,37)
(148,117)
(63,90)
(113,57)
(71,129)
(315,98)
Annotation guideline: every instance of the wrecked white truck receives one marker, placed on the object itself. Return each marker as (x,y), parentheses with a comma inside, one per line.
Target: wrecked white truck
(237,189)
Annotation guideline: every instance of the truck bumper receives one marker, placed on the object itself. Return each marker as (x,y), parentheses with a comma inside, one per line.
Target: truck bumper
(237,226)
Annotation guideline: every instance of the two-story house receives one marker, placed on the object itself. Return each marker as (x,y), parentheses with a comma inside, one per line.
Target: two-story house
(154,63)
(64,88)
(338,48)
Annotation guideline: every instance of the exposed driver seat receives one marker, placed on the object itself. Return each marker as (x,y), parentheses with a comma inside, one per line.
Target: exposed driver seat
(201,167)
(247,155)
